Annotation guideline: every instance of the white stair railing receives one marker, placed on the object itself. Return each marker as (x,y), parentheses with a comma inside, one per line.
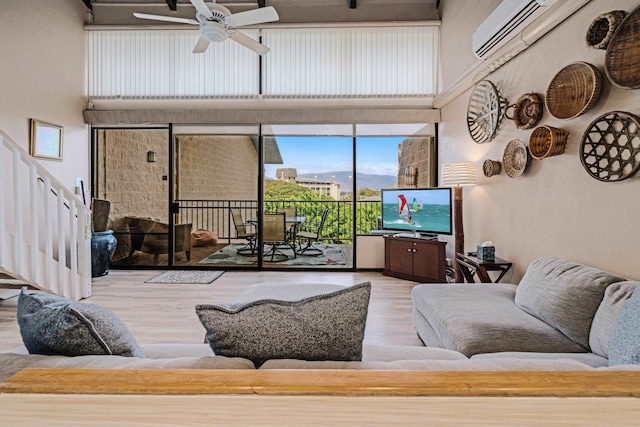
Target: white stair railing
(45,230)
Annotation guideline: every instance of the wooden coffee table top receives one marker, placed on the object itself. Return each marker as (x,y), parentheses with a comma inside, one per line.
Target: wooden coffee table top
(326,382)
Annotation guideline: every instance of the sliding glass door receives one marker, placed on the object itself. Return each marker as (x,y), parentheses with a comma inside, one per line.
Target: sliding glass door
(215,196)
(309,183)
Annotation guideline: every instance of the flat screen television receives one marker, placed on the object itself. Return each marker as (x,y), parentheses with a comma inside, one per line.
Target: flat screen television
(419,210)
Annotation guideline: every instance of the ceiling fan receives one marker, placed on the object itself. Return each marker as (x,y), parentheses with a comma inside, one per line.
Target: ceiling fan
(218,24)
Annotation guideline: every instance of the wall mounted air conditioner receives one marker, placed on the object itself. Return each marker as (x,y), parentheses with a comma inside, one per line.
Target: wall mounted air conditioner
(506,22)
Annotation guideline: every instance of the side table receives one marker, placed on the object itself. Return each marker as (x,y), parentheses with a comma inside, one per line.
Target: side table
(470,265)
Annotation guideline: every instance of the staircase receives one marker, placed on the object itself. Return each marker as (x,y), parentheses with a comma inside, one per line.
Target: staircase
(45,230)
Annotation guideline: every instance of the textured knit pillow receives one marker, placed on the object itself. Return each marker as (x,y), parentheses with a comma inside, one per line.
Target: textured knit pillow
(624,346)
(604,322)
(56,326)
(564,294)
(322,327)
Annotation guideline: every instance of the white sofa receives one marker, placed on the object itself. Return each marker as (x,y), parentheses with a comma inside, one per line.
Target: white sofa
(430,358)
(559,310)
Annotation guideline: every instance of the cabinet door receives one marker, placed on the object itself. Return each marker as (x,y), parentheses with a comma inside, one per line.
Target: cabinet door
(400,256)
(426,261)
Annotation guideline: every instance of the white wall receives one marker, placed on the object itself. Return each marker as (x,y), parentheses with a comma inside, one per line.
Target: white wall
(42,76)
(556,208)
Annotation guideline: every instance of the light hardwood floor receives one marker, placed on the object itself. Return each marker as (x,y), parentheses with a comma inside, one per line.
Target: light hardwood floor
(157,313)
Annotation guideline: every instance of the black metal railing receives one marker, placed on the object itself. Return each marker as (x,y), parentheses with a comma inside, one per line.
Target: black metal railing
(214,215)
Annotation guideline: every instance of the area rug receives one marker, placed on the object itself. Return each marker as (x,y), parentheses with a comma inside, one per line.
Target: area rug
(186,276)
(333,255)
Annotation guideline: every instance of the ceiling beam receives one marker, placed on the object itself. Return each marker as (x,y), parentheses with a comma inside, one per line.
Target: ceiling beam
(172,4)
(353,4)
(88,4)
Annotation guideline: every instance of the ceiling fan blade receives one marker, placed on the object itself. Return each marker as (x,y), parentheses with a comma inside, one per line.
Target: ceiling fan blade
(202,8)
(166,18)
(250,17)
(247,41)
(201,46)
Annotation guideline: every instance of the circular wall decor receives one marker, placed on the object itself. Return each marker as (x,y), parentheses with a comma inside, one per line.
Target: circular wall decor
(515,158)
(573,90)
(621,60)
(527,112)
(602,28)
(610,148)
(484,112)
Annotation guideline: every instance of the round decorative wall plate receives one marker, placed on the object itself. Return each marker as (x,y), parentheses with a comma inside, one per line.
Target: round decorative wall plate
(610,148)
(485,111)
(515,159)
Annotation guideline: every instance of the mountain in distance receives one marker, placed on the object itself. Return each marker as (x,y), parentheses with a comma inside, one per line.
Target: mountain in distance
(363,180)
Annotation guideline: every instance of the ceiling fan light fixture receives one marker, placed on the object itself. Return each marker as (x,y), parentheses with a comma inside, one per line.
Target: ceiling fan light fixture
(214,32)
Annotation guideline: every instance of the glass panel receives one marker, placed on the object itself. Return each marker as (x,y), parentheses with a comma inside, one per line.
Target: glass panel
(309,184)
(216,182)
(131,172)
(406,160)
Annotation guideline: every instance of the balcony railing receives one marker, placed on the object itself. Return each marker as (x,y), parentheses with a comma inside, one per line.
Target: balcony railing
(214,215)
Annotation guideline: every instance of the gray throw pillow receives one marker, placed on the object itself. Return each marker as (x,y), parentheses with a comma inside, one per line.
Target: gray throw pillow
(606,318)
(564,295)
(624,346)
(322,327)
(56,326)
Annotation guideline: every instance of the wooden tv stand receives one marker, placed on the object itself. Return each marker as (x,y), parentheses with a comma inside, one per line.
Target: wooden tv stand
(414,258)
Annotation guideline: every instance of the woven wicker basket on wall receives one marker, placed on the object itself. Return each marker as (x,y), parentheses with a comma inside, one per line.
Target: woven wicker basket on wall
(491,168)
(573,90)
(602,28)
(547,141)
(621,59)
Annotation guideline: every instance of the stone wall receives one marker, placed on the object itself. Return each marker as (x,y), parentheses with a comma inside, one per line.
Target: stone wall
(134,186)
(216,167)
(419,153)
(208,167)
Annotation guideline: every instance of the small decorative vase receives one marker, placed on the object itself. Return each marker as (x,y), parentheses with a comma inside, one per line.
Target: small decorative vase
(103,245)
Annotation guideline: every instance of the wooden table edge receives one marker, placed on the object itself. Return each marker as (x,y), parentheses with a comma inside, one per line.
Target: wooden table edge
(325,382)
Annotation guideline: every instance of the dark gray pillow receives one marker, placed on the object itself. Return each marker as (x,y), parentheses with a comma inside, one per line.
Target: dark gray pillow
(322,327)
(56,326)
(624,346)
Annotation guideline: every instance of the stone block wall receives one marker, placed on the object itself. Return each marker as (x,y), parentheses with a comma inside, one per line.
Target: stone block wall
(134,186)
(418,152)
(208,167)
(216,167)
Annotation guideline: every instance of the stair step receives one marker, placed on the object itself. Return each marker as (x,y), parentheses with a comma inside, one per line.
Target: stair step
(10,288)
(9,293)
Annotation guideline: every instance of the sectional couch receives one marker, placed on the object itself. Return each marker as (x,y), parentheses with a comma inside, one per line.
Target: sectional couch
(466,327)
(559,310)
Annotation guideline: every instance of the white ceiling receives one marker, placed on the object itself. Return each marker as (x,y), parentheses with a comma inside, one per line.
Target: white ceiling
(119,12)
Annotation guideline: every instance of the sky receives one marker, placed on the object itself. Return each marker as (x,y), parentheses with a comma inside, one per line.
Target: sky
(440,196)
(316,154)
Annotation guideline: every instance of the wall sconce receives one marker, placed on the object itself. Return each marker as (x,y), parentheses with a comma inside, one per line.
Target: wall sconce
(152,156)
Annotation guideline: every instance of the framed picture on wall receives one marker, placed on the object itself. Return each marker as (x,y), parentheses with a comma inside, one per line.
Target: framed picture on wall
(46,140)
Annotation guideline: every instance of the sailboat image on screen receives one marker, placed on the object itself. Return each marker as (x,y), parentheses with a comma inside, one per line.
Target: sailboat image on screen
(422,211)
(403,209)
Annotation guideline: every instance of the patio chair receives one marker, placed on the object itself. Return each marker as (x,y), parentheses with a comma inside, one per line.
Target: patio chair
(241,232)
(156,238)
(274,236)
(289,212)
(310,237)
